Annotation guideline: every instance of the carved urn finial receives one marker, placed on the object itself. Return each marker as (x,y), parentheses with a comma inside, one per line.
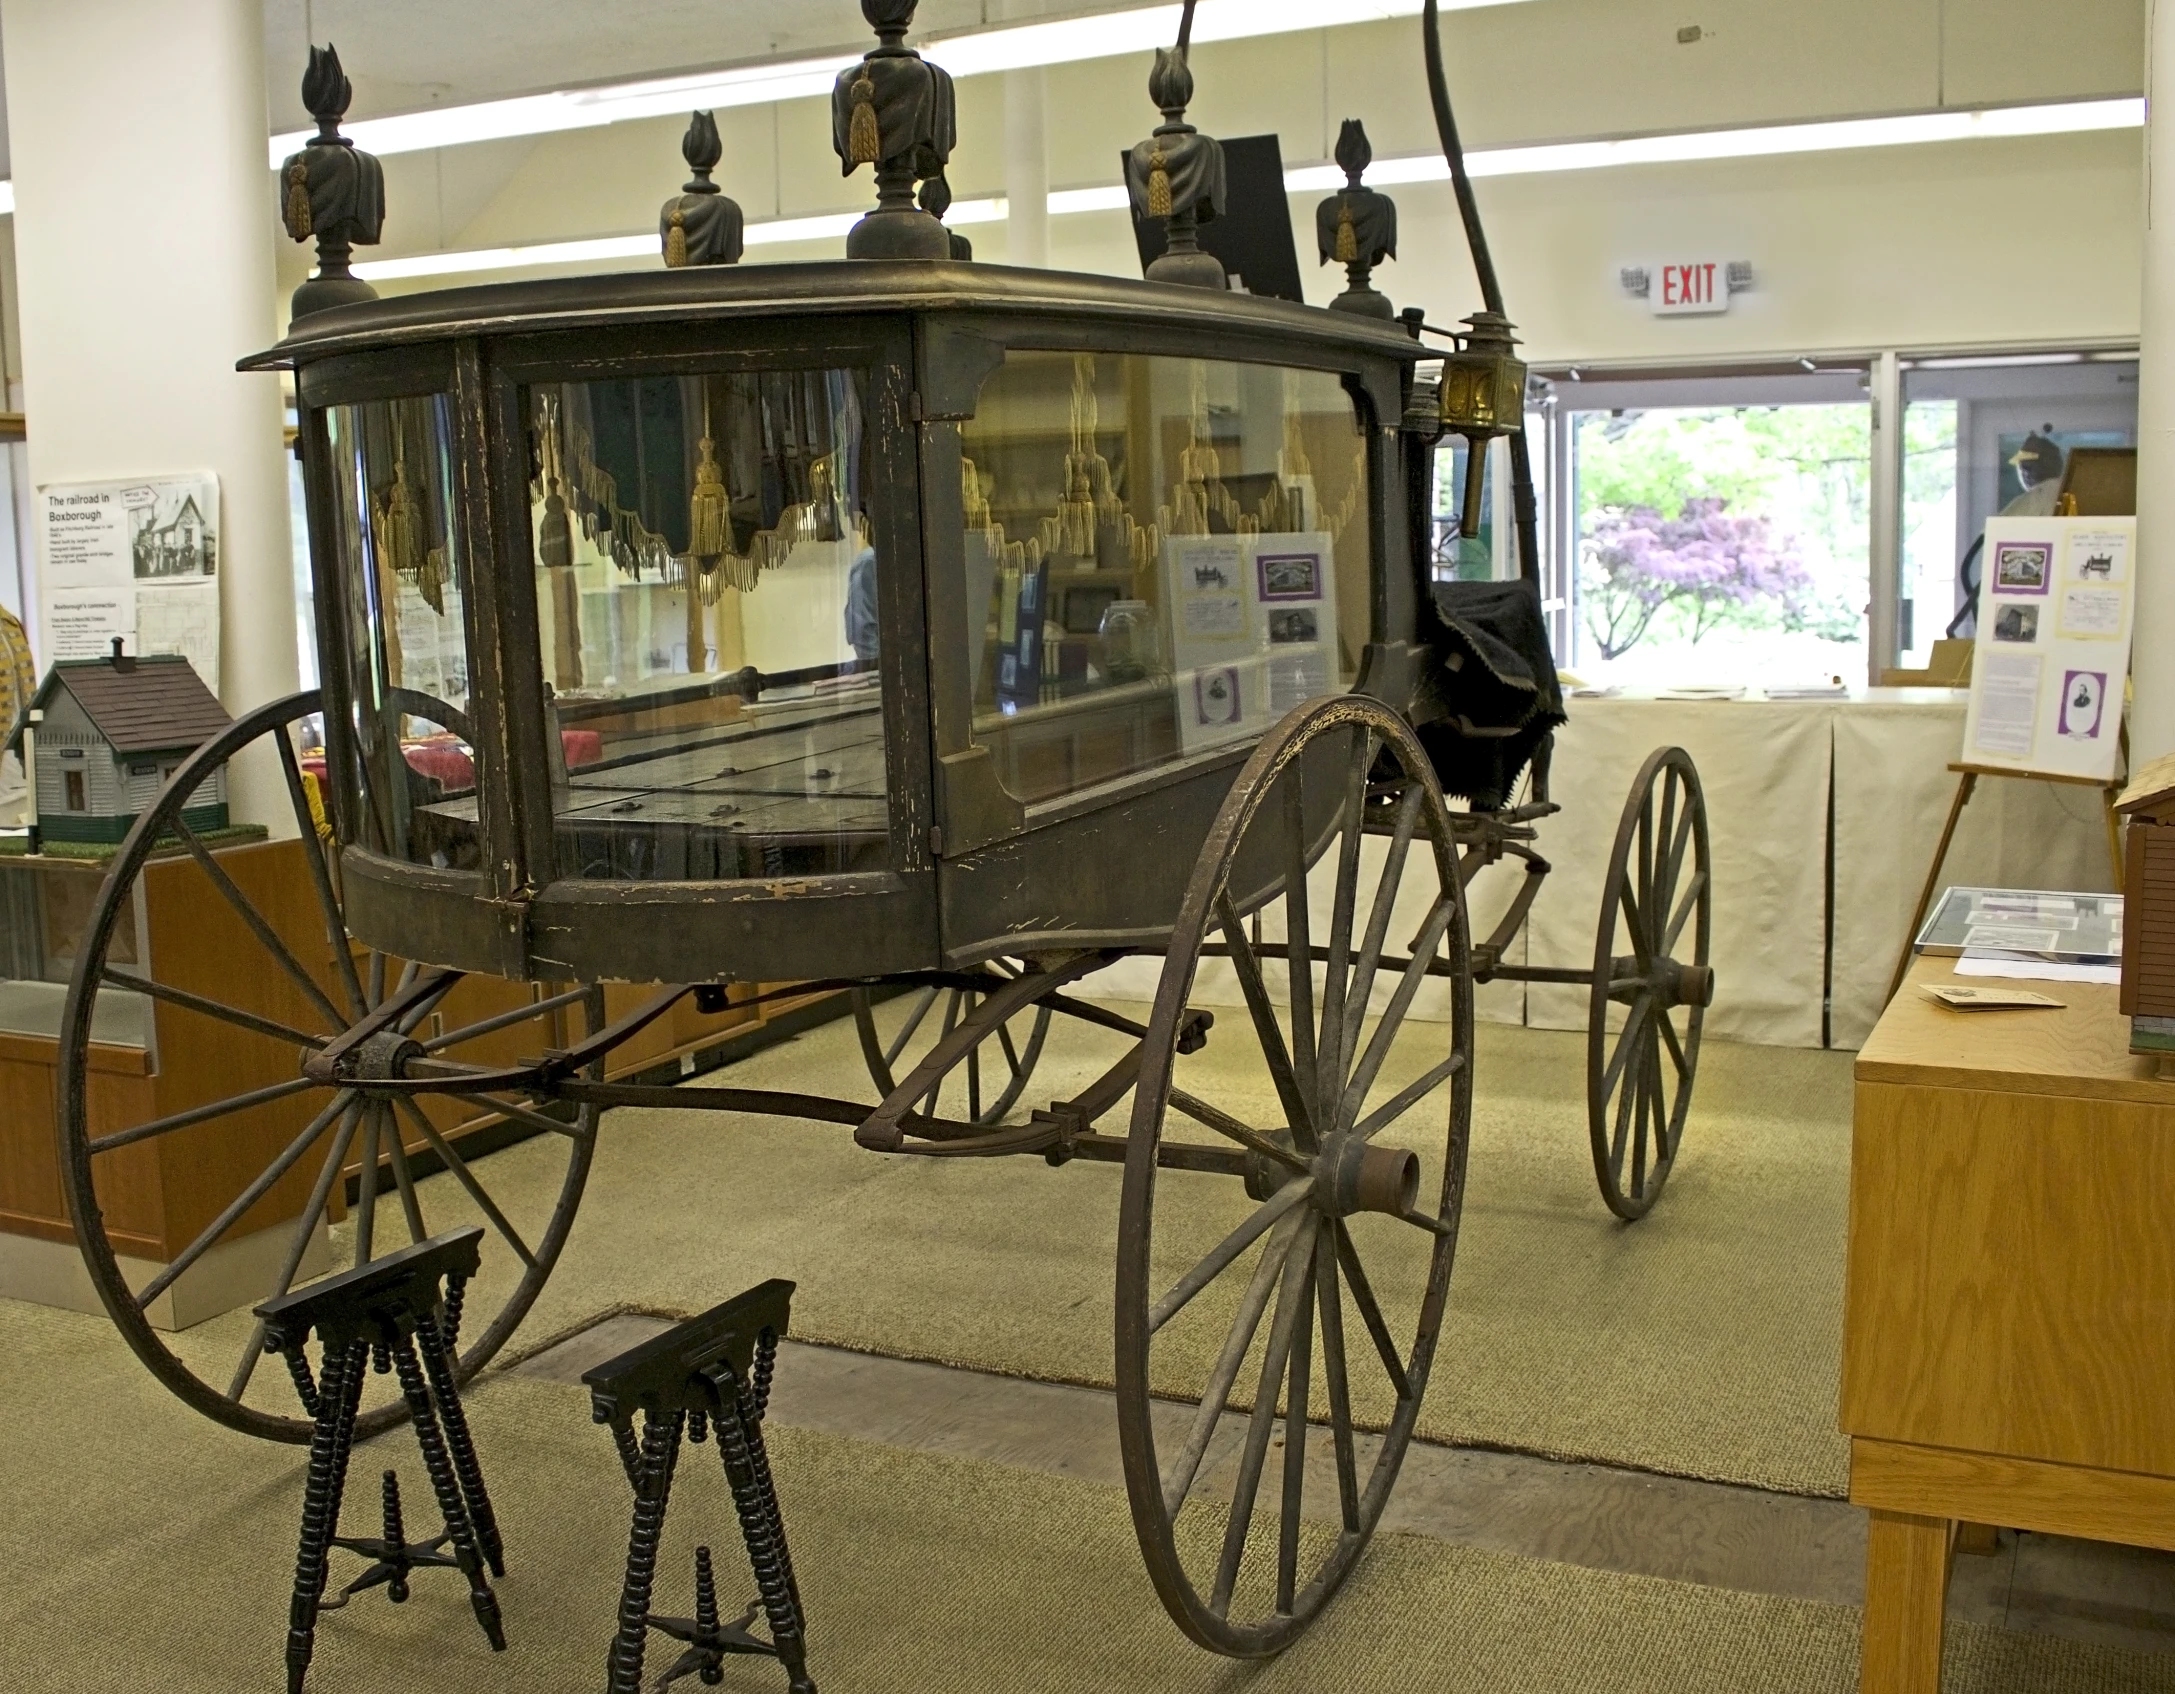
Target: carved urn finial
(331,189)
(894,111)
(1177,176)
(936,199)
(1357,227)
(701,225)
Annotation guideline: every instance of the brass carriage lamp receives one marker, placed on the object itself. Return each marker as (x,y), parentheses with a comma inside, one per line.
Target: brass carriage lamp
(1483,396)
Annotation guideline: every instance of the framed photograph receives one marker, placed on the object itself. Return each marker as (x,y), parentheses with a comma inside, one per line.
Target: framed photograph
(1290,576)
(1216,698)
(2014,623)
(2023,567)
(1294,624)
(2084,704)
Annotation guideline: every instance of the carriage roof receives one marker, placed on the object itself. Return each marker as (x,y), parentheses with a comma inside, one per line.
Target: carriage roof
(817,290)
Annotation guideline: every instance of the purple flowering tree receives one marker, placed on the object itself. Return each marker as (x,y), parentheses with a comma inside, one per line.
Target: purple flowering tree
(1714,565)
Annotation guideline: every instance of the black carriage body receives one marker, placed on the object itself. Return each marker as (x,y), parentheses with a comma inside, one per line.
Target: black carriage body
(1063,811)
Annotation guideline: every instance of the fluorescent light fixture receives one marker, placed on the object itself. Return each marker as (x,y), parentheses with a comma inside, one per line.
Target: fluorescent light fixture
(1910,129)
(1024,46)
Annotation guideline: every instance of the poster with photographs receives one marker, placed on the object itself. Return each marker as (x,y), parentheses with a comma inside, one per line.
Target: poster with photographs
(133,561)
(1253,622)
(2055,609)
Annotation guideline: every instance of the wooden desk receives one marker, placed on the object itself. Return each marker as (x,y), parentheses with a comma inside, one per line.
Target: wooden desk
(2009,1321)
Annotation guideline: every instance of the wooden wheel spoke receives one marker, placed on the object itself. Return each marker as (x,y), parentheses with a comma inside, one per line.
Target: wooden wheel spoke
(521,1114)
(253,920)
(1248,968)
(1355,1275)
(203,1007)
(1299,952)
(1298,1379)
(313,853)
(1011,1054)
(1636,923)
(1291,1298)
(1393,1017)
(504,1020)
(922,1003)
(1640,1010)
(1333,1370)
(454,1163)
(1407,1097)
(1335,980)
(1178,1480)
(1620,1141)
(241,1203)
(366,1203)
(199,1114)
(1223,1123)
(1220,1256)
(1685,907)
(396,1146)
(1676,1050)
(1378,921)
(412,1019)
(1642,1111)
(1673,866)
(298,1244)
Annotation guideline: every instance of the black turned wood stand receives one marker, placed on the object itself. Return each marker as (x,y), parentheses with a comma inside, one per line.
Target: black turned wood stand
(401,1313)
(711,1373)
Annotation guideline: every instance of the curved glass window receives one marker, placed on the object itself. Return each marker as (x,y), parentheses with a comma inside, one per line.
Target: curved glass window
(402,580)
(706,602)
(1164,556)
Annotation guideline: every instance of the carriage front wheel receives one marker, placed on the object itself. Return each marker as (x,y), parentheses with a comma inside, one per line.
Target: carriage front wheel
(1291,1203)
(1652,984)
(269,1178)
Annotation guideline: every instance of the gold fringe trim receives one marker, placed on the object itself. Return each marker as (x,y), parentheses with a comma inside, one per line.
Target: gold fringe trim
(707,509)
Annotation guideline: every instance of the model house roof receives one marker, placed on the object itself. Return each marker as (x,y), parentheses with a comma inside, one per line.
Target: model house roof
(2152,790)
(153,704)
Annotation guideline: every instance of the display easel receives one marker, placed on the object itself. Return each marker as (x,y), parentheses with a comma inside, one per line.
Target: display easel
(1967,784)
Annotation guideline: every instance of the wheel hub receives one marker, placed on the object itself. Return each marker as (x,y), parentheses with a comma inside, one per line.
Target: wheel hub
(1670,982)
(1351,1175)
(382,1057)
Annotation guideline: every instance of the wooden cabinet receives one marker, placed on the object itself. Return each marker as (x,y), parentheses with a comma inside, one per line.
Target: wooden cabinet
(2009,1327)
(156,1058)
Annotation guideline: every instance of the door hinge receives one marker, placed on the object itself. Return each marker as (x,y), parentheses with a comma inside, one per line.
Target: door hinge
(936,840)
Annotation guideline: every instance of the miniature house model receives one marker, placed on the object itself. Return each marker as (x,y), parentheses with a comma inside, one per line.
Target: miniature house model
(2148,908)
(113,732)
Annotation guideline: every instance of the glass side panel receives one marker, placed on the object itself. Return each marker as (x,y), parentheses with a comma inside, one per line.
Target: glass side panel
(706,598)
(45,905)
(1163,556)
(401,578)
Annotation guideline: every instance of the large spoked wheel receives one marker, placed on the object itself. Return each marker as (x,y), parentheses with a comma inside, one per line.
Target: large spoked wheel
(1278,1265)
(1650,965)
(897,1033)
(279,1179)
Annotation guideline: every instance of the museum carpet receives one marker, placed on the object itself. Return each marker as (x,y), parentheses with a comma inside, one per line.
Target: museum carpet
(147,1552)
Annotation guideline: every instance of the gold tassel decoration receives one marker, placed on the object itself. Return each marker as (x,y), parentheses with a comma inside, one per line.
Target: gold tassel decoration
(864,141)
(676,240)
(707,513)
(400,528)
(554,535)
(298,200)
(430,581)
(1347,237)
(1159,185)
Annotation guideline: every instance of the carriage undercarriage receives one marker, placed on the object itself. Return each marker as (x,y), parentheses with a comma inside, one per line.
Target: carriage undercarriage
(1329,1151)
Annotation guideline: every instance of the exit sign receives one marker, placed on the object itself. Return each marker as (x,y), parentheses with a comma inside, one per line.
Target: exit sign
(1689,287)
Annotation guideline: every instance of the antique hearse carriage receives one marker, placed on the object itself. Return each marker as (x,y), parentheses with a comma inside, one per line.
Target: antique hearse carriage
(911,624)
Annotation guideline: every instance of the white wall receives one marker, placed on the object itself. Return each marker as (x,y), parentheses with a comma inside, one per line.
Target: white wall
(1914,247)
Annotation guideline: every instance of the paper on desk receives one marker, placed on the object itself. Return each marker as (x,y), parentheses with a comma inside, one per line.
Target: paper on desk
(2037,970)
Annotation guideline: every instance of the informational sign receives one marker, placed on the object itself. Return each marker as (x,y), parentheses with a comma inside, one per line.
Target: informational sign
(2047,676)
(133,560)
(1253,620)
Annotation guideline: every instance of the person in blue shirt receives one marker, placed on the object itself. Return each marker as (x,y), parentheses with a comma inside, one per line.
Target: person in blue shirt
(863,628)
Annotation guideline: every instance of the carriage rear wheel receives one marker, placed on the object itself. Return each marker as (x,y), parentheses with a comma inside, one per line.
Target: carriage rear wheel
(1312,1286)
(1650,960)
(261,1169)
(897,1033)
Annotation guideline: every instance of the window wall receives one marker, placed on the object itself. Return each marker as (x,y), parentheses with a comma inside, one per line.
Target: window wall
(1764,528)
